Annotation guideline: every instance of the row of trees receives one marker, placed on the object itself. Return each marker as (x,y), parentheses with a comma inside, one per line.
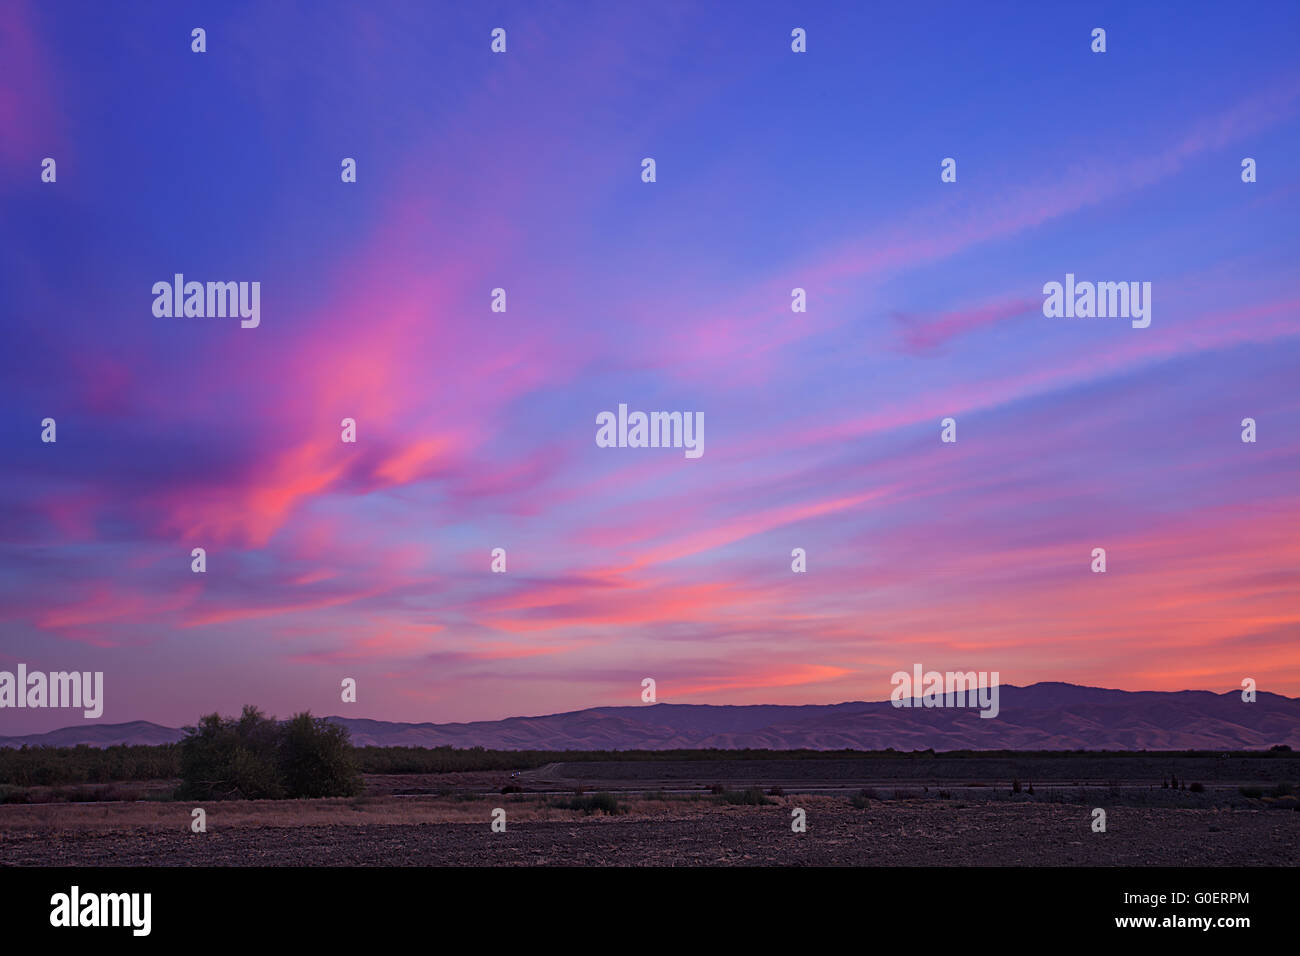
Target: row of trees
(253,754)
(54,766)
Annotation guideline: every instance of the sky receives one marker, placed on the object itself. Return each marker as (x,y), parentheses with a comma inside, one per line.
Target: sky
(476,429)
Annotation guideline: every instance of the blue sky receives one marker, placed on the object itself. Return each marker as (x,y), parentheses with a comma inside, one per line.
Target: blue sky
(476,429)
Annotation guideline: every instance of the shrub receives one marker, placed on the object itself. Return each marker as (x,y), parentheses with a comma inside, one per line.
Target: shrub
(595,803)
(315,759)
(225,758)
(1197,788)
(253,757)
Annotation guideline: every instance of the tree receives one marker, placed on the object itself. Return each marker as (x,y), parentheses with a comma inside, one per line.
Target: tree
(316,759)
(224,758)
(254,757)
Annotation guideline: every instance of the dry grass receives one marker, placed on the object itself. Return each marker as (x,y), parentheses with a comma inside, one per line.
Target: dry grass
(361,811)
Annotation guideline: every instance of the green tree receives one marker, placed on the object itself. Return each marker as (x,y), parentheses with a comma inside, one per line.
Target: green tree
(231,758)
(316,759)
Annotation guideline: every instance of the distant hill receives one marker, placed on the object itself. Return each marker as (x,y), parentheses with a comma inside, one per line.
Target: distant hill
(99,735)
(1044,716)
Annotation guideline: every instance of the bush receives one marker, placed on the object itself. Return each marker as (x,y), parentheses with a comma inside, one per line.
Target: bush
(1197,788)
(255,758)
(862,799)
(595,803)
(224,758)
(316,760)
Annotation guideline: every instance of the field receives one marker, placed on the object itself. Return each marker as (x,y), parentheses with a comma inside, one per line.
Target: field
(933,811)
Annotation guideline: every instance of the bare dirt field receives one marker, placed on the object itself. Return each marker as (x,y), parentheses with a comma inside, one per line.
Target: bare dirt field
(455,831)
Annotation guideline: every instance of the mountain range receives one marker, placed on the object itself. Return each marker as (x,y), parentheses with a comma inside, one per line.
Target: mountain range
(1043,716)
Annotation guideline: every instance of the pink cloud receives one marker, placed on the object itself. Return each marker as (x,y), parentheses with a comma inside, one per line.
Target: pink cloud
(27,110)
(925,334)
